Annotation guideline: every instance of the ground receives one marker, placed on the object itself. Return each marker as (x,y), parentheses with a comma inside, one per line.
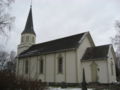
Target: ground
(66,88)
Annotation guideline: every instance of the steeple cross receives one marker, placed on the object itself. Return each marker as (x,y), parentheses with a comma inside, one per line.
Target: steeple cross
(31,4)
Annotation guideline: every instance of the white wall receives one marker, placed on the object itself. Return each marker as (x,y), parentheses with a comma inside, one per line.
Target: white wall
(32,67)
(41,76)
(69,71)
(87,69)
(111,58)
(49,72)
(20,68)
(71,67)
(25,44)
(60,77)
(102,71)
(84,44)
(51,67)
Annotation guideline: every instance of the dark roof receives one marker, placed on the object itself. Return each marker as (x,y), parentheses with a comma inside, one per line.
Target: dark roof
(29,24)
(53,46)
(96,52)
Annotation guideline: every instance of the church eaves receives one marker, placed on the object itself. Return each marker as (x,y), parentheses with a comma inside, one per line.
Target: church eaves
(29,24)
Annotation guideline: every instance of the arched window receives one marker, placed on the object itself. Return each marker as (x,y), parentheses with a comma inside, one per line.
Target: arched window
(41,66)
(22,39)
(27,38)
(26,67)
(111,68)
(60,65)
(33,39)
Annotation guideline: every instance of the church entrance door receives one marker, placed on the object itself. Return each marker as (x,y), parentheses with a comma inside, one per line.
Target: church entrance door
(94,72)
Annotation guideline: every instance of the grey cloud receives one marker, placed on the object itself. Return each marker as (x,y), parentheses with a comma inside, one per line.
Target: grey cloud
(58,18)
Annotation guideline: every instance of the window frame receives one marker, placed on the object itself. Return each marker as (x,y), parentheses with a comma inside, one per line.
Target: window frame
(22,39)
(41,66)
(33,39)
(26,67)
(27,38)
(60,65)
(112,72)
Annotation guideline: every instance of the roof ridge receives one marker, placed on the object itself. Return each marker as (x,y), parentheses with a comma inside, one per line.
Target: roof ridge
(61,38)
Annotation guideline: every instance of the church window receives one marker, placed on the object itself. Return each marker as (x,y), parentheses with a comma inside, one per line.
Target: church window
(94,68)
(26,67)
(60,65)
(41,66)
(33,39)
(27,38)
(22,39)
(111,68)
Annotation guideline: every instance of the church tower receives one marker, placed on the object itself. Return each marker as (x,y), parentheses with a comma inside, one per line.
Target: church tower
(28,36)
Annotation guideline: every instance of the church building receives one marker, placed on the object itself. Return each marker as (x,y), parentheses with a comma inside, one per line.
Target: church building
(63,59)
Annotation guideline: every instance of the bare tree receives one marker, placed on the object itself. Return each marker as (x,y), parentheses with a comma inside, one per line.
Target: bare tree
(11,64)
(3,59)
(7,61)
(116,42)
(5,18)
(6,21)
(12,56)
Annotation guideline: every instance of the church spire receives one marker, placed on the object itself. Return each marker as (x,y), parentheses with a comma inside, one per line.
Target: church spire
(29,24)
(28,36)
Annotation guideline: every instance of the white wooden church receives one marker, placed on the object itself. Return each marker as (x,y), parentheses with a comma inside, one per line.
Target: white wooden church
(62,60)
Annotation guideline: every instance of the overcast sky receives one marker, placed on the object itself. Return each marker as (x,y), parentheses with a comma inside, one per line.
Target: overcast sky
(59,18)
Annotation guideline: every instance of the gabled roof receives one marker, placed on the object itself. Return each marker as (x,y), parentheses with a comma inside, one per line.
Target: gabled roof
(53,46)
(95,53)
(29,24)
